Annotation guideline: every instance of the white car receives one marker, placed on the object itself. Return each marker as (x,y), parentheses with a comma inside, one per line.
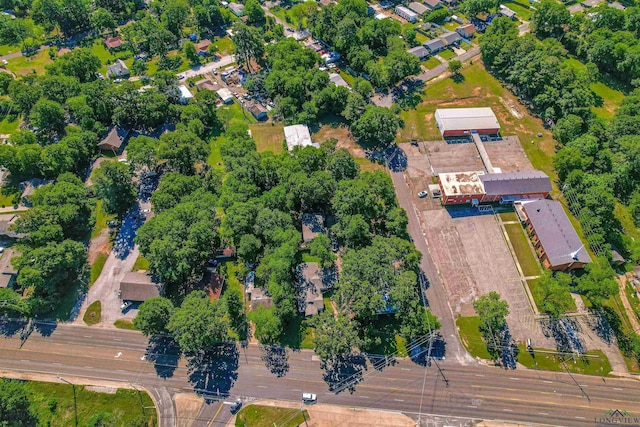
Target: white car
(309,398)
(125,305)
(1,249)
(422,194)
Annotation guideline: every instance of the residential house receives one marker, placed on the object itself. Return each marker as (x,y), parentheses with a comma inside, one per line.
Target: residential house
(433,4)
(118,70)
(138,287)
(418,8)
(29,187)
(298,136)
(6,225)
(113,43)
(202,47)
(380,16)
(553,236)
(206,84)
(312,226)
(420,51)
(257,111)
(236,9)
(467,31)
(257,296)
(434,46)
(451,38)
(507,12)
(406,13)
(114,140)
(311,283)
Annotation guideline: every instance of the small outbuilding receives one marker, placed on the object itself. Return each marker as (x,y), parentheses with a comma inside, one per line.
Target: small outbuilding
(298,136)
(206,84)
(113,43)
(185,94)
(225,95)
(257,111)
(236,8)
(504,10)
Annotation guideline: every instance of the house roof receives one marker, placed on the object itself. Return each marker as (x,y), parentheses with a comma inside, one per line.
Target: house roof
(225,94)
(555,232)
(136,286)
(434,44)
(185,93)
(432,3)
(113,42)
(406,11)
(312,226)
(297,135)
(466,118)
(118,69)
(206,84)
(6,221)
(203,45)
(507,12)
(418,8)
(450,37)
(497,184)
(310,287)
(256,110)
(419,51)
(238,9)
(467,29)
(114,139)
(338,80)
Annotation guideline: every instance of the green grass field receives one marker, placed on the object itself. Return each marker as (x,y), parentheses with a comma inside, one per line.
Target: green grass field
(268,416)
(509,216)
(367,165)
(225,45)
(520,243)
(471,337)
(296,334)
(96,267)
(101,219)
(93,314)
(593,363)
(141,264)
(54,406)
(124,324)
(447,54)
(521,8)
(431,63)
(9,126)
(268,136)
(479,88)
(24,65)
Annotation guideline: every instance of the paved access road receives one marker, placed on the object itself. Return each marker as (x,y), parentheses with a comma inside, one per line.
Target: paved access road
(473,390)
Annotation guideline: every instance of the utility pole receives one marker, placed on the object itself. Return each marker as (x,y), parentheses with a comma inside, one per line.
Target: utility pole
(75,400)
(577,383)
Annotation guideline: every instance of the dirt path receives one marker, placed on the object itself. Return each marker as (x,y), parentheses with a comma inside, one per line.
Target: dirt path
(622,281)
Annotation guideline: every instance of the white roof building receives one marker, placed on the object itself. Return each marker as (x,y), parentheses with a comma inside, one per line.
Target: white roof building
(185,94)
(298,136)
(461,121)
(225,95)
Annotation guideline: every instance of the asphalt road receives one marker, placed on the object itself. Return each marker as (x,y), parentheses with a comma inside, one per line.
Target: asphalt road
(473,390)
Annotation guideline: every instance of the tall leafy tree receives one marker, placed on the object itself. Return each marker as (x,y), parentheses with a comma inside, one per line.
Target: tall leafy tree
(113,184)
(153,316)
(377,126)
(249,45)
(15,405)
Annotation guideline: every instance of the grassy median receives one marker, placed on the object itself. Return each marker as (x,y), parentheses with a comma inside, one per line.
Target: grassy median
(268,416)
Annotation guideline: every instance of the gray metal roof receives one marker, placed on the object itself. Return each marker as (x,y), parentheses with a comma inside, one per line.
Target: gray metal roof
(419,51)
(556,233)
(451,37)
(418,8)
(136,286)
(512,183)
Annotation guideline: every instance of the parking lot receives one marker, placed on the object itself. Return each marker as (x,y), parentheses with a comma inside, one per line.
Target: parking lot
(468,247)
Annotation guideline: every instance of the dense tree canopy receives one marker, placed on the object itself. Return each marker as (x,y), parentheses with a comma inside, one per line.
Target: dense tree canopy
(113,184)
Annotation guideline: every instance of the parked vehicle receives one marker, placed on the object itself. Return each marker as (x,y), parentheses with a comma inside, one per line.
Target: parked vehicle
(235,406)
(309,398)
(422,194)
(125,305)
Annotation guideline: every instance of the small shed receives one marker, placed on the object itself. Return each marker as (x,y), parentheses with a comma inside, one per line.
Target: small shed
(298,136)
(138,287)
(185,94)
(507,12)
(225,95)
(257,111)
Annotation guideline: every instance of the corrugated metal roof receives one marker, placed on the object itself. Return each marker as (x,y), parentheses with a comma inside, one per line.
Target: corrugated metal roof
(466,118)
(434,44)
(419,51)
(512,183)
(557,236)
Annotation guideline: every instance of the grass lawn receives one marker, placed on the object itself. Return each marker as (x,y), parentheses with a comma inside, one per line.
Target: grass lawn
(431,63)
(24,65)
(54,405)
(6,49)
(93,313)
(626,219)
(509,216)
(632,297)
(348,78)
(447,54)
(307,257)
(9,126)
(268,136)
(480,89)
(521,8)
(268,416)
(101,219)
(536,292)
(232,282)
(623,326)
(594,363)
(141,264)
(296,334)
(215,158)
(9,196)
(367,165)
(471,337)
(326,298)
(97,266)
(225,45)
(520,243)
(124,324)
(231,112)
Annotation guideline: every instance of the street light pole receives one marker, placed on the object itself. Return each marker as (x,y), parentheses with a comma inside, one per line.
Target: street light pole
(75,400)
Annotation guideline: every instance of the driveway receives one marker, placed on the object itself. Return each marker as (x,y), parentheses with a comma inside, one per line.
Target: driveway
(209,67)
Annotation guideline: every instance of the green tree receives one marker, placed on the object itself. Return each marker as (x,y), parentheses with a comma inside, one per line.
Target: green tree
(475,7)
(172,189)
(334,338)
(492,311)
(79,63)
(554,293)
(142,152)
(549,19)
(175,15)
(190,52)
(454,66)
(598,284)
(377,126)
(102,19)
(268,325)
(568,128)
(254,12)
(235,310)
(113,184)
(15,406)
(153,316)
(249,248)
(342,165)
(248,45)
(48,117)
(198,323)
(410,37)
(183,150)
(320,247)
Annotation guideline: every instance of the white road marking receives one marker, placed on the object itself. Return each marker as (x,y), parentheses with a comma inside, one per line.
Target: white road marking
(143,357)
(118,355)
(87,336)
(398,400)
(471,406)
(479,375)
(90,367)
(120,370)
(548,382)
(57,364)
(618,389)
(507,410)
(117,339)
(514,378)
(364,397)
(25,361)
(296,389)
(580,418)
(542,413)
(405,369)
(262,386)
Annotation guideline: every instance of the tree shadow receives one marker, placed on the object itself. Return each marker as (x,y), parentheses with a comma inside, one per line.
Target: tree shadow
(458,78)
(212,373)
(421,354)
(45,328)
(509,353)
(164,353)
(344,373)
(600,323)
(10,327)
(379,362)
(276,359)
(566,333)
